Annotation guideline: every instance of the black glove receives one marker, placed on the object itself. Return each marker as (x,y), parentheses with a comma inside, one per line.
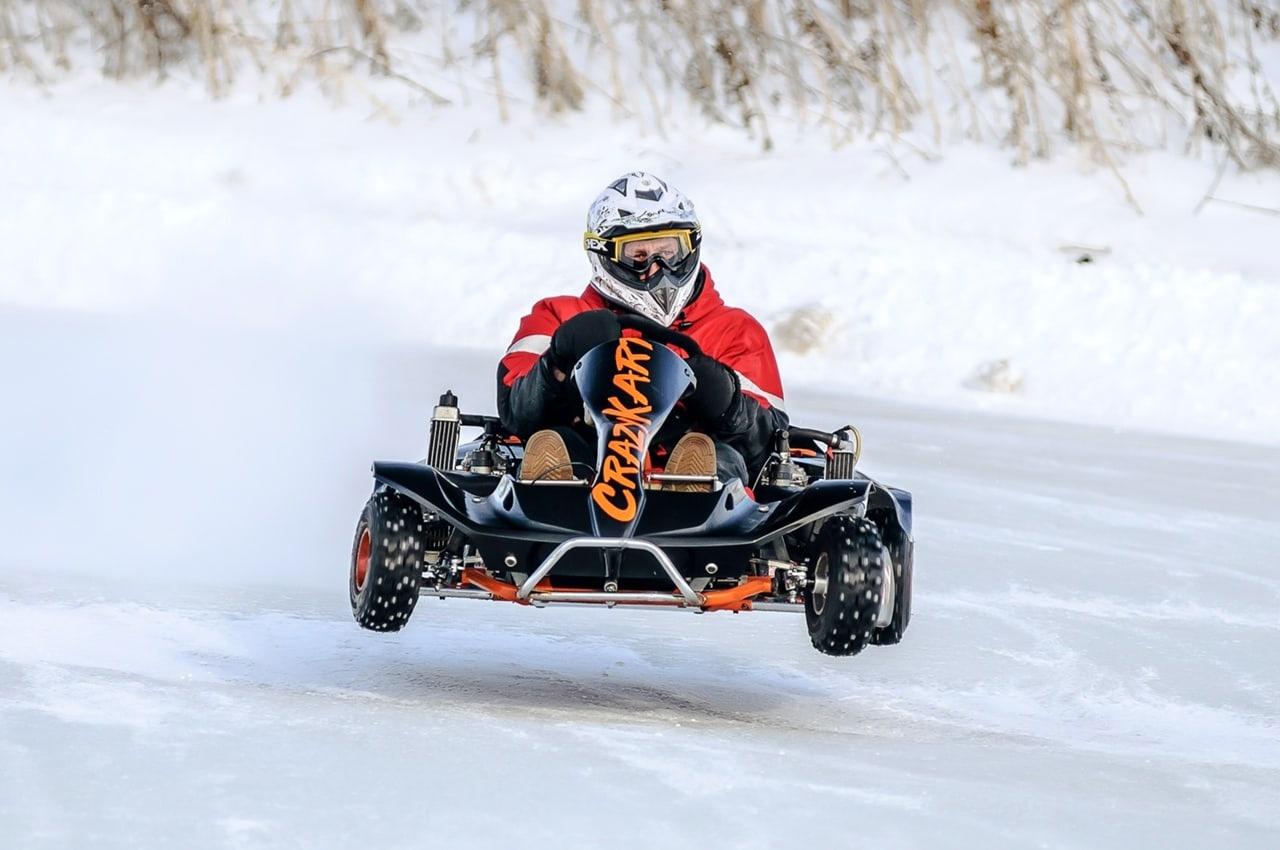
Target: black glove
(579,335)
(716,390)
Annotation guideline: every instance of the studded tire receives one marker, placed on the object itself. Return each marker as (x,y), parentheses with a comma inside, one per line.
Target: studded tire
(386,562)
(902,554)
(842,594)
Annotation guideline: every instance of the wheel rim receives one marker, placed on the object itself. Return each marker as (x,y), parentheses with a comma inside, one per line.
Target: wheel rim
(363,550)
(888,590)
(819,591)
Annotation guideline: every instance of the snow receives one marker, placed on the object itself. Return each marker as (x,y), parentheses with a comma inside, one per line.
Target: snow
(1098,718)
(301,219)
(1093,661)
(215,315)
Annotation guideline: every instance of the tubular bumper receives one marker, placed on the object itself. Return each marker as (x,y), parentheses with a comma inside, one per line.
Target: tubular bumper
(537,589)
(688,594)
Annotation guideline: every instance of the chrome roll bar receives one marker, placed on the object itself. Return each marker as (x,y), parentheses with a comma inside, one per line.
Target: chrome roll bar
(687,593)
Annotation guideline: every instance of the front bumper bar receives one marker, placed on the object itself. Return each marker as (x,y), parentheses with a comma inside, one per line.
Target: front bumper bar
(689,596)
(538,590)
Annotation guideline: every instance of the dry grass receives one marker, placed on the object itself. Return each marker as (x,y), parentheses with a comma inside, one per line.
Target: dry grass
(1104,75)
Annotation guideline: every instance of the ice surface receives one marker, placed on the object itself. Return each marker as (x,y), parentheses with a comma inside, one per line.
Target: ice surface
(1093,661)
(214,316)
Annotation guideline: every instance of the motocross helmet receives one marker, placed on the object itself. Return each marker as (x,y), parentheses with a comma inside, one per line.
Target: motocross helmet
(643,241)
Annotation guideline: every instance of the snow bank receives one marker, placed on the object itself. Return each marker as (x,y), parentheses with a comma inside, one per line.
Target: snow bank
(955,282)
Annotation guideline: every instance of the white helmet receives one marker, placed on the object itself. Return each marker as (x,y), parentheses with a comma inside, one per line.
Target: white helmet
(643,241)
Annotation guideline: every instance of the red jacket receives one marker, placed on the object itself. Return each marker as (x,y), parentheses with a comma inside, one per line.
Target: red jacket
(727,334)
(530,397)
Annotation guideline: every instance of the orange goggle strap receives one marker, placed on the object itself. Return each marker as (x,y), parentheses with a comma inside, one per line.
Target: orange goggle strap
(611,247)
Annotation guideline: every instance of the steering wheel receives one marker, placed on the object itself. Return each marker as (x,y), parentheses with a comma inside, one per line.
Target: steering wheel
(659,333)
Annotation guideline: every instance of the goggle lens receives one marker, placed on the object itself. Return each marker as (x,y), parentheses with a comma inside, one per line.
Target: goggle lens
(640,251)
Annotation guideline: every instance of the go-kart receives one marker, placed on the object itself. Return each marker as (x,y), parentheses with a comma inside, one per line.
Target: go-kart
(812,534)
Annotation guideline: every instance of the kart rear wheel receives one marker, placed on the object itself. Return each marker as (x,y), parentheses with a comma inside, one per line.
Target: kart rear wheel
(386,562)
(842,594)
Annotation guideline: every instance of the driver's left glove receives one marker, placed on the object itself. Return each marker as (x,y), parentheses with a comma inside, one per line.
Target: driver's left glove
(716,390)
(579,334)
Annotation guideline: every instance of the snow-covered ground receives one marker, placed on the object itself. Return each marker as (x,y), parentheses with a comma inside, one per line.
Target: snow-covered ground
(1093,663)
(213,316)
(878,272)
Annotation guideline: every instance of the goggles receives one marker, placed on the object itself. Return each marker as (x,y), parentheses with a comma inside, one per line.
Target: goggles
(637,251)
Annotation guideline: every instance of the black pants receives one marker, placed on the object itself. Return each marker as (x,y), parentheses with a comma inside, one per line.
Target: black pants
(729,461)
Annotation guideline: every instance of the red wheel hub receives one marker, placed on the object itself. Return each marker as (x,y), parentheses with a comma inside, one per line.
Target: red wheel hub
(363,550)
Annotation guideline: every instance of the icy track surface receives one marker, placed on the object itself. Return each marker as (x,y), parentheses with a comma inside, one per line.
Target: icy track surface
(1093,660)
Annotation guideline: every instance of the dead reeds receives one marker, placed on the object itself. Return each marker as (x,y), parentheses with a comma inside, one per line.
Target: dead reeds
(1106,76)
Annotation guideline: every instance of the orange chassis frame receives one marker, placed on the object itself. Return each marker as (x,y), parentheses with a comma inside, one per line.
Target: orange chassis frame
(728,599)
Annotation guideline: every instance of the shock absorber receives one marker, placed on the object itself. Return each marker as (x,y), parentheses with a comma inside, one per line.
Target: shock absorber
(446,427)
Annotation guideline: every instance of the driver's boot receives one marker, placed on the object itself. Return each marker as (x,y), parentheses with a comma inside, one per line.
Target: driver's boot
(695,454)
(546,458)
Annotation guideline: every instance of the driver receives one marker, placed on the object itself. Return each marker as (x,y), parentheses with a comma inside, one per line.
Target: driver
(643,240)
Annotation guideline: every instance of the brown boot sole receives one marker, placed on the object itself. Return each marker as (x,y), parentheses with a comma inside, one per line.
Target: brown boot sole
(546,459)
(695,454)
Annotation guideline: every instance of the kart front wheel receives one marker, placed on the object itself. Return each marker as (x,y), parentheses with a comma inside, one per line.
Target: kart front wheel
(845,580)
(386,562)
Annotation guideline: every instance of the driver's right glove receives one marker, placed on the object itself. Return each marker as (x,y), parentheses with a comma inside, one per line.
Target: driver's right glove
(579,335)
(715,393)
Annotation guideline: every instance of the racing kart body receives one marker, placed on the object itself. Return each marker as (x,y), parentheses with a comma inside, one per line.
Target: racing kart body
(812,535)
